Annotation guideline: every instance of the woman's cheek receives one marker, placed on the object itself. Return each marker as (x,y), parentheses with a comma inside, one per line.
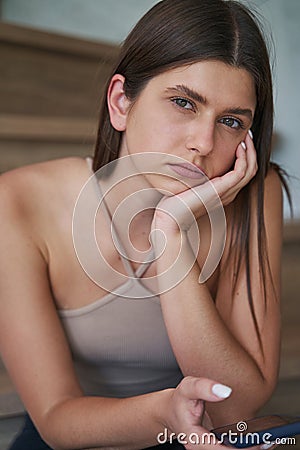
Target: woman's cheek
(228,164)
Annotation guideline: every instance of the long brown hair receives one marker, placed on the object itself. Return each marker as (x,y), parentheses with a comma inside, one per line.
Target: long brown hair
(178,32)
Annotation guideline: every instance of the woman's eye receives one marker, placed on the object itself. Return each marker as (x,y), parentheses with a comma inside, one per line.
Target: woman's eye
(183,103)
(232,123)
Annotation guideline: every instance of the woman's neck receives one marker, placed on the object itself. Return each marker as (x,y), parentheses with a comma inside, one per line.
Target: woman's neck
(131,201)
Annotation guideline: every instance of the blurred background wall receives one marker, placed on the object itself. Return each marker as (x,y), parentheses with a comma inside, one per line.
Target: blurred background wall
(104,20)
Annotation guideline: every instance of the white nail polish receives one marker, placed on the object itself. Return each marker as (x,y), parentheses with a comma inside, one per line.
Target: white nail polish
(222,391)
(243,145)
(266,446)
(250,134)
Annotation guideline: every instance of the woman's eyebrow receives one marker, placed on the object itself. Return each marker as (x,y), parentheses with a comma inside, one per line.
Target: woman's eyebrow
(200,99)
(240,112)
(190,92)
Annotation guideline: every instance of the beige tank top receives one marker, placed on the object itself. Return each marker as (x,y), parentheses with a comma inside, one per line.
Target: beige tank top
(119,343)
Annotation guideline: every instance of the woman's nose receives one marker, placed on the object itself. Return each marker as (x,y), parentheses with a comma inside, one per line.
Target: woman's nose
(201,137)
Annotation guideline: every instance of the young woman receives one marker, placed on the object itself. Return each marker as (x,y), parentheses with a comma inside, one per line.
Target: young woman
(110,351)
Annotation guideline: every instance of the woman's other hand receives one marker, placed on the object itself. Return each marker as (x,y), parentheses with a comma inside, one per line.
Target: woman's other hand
(185,412)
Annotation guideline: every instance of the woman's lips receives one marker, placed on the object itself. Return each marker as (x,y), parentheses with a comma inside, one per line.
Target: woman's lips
(187,170)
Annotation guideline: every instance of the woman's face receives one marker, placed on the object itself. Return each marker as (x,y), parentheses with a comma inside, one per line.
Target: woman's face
(200,112)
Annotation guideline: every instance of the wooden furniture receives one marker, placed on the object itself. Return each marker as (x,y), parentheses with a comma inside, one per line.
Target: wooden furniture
(290,361)
(50,88)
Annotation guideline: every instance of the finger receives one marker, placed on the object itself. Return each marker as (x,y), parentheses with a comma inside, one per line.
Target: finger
(251,156)
(234,179)
(245,165)
(204,389)
(241,162)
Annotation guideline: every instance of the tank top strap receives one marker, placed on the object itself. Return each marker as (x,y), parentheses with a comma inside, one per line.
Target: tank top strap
(145,264)
(128,267)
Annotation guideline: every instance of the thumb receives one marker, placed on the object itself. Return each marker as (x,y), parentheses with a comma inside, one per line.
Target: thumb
(204,389)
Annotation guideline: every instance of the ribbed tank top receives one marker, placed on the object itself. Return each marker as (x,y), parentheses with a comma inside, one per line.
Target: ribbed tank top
(119,342)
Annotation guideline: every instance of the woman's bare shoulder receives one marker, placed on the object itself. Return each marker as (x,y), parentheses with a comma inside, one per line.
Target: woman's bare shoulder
(273,196)
(42,172)
(22,187)
(36,196)
(272,183)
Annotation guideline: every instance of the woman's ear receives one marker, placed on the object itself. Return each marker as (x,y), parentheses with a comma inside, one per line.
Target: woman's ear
(118,103)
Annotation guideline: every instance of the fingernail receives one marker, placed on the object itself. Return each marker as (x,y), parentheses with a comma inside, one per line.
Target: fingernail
(222,391)
(266,446)
(250,134)
(243,145)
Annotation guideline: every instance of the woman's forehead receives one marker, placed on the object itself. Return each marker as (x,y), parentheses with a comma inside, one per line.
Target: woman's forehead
(211,80)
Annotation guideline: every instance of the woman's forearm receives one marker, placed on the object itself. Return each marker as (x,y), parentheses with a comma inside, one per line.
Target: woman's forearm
(109,423)
(202,343)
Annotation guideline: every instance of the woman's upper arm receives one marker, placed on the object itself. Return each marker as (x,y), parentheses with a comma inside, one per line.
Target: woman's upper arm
(235,309)
(32,341)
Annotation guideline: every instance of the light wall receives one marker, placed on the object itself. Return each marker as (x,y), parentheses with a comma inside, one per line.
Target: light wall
(107,20)
(284,19)
(110,20)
